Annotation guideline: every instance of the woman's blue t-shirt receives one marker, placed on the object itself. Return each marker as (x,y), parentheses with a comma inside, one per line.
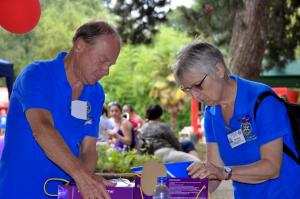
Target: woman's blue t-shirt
(271,123)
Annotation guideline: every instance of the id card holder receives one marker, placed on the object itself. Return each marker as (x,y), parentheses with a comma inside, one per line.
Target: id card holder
(236,138)
(79,109)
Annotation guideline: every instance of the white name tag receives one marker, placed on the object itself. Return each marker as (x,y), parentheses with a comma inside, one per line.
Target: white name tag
(236,138)
(79,109)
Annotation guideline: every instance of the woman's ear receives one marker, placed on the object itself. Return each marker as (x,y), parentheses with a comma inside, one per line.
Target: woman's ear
(220,70)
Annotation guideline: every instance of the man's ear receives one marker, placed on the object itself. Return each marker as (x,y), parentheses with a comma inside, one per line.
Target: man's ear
(79,45)
(220,70)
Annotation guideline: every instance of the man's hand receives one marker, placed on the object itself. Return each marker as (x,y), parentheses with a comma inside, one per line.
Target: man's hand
(92,186)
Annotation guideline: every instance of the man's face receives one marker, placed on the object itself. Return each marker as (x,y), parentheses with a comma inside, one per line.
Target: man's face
(93,61)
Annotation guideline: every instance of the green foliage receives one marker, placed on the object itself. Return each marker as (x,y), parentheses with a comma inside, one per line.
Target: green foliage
(284,33)
(58,22)
(140,67)
(213,20)
(137,19)
(116,162)
(210,20)
(184,116)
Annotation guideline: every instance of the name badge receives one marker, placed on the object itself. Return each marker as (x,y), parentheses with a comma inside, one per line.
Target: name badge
(79,109)
(236,138)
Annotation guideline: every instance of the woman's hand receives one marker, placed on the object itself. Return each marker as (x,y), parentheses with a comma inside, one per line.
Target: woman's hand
(206,170)
(112,134)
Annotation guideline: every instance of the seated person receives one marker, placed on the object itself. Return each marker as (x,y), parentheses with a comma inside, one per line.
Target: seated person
(123,132)
(105,124)
(134,118)
(161,138)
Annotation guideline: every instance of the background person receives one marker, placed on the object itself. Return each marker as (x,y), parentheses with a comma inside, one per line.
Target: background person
(239,147)
(161,138)
(53,118)
(134,118)
(106,123)
(123,132)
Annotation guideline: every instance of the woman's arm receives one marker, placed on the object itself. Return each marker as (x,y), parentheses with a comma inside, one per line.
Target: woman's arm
(126,128)
(268,167)
(197,169)
(213,156)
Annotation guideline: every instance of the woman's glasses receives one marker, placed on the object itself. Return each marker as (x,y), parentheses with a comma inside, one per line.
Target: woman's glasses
(195,87)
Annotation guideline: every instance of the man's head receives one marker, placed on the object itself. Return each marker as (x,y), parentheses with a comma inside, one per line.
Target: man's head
(96,46)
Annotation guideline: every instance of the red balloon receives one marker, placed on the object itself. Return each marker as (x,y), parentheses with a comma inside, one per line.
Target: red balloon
(19,16)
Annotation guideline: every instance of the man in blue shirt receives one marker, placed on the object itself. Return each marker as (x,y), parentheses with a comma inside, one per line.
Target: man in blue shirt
(52,123)
(242,148)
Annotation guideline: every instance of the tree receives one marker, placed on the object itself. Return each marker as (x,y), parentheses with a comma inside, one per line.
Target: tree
(139,76)
(52,34)
(138,19)
(249,37)
(216,21)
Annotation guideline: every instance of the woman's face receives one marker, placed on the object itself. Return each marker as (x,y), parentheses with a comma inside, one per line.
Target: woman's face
(203,87)
(115,112)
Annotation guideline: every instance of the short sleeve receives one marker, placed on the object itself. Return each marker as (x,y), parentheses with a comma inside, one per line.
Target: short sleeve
(272,120)
(208,128)
(33,88)
(97,99)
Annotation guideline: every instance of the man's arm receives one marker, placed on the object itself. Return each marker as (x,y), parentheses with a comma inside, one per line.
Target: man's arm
(88,153)
(56,149)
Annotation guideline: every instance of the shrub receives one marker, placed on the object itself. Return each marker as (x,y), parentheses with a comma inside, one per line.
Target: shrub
(113,161)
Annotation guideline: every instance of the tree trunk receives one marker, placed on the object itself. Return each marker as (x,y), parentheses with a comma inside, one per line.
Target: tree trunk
(249,36)
(174,115)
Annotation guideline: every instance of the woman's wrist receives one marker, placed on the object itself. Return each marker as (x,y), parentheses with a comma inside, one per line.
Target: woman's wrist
(228,173)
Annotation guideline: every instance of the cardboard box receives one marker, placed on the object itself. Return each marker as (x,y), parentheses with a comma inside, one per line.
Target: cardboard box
(187,188)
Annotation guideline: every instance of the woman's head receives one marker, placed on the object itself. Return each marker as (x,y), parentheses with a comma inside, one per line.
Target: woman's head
(154,112)
(201,71)
(198,56)
(115,110)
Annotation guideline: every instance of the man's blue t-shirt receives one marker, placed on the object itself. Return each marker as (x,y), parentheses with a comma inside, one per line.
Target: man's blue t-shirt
(271,123)
(24,166)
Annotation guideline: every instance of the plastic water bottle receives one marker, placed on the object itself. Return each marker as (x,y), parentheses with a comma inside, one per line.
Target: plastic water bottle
(2,121)
(161,190)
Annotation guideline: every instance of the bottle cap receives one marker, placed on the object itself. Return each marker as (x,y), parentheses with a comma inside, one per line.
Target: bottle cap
(162,179)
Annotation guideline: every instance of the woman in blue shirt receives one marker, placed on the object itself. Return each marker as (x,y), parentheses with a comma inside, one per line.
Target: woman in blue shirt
(240,148)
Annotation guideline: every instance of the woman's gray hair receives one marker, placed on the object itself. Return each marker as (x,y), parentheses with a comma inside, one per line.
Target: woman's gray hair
(91,30)
(198,56)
